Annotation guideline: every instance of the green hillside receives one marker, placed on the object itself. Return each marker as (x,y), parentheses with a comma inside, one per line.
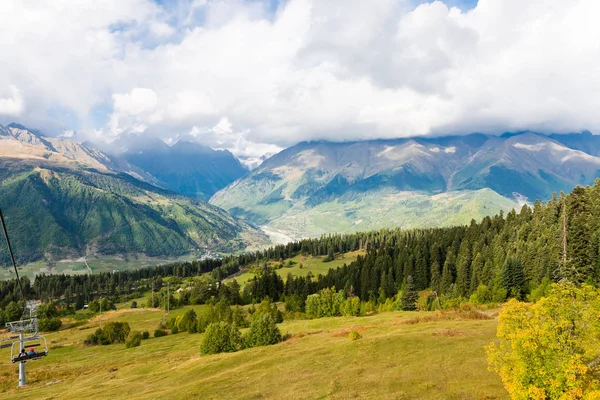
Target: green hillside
(56,212)
(396,358)
(366,211)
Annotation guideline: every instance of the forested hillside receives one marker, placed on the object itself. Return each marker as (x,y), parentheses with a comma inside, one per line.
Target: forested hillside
(55,212)
(502,256)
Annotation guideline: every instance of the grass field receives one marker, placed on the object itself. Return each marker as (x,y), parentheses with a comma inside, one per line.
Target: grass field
(429,358)
(309,264)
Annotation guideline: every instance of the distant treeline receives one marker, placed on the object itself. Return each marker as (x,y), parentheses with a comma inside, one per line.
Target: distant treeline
(505,255)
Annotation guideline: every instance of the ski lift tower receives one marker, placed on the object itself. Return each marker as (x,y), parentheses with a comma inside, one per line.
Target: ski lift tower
(29,337)
(26,327)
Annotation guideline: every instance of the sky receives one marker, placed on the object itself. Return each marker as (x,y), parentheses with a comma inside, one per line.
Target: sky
(254,76)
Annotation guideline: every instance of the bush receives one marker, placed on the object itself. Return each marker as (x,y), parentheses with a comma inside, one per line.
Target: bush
(268,307)
(550,349)
(482,295)
(221,337)
(145,335)
(263,332)
(354,335)
(174,330)
(113,332)
(117,332)
(325,303)
(50,324)
(134,339)
(351,307)
(187,322)
(159,333)
(134,304)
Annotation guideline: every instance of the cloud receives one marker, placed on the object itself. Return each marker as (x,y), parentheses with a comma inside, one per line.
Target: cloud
(12,105)
(134,111)
(243,76)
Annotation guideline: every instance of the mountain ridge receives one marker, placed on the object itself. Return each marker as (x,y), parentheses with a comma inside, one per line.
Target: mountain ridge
(63,199)
(316,175)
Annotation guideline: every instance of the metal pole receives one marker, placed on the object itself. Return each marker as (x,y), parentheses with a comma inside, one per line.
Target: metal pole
(22,380)
(100,312)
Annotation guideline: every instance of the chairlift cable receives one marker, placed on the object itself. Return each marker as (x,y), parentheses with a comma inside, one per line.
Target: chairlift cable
(12,257)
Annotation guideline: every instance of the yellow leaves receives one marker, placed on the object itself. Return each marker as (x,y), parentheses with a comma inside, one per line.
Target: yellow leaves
(545,347)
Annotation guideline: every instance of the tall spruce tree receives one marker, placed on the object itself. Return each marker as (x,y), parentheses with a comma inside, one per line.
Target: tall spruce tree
(410,296)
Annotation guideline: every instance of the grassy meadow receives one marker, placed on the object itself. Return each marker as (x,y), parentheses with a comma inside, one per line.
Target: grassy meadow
(314,265)
(401,355)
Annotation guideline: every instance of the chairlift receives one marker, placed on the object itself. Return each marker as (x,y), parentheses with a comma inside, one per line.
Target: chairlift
(16,351)
(6,339)
(26,327)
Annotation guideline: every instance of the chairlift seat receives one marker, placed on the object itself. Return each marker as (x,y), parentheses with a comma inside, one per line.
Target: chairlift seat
(35,356)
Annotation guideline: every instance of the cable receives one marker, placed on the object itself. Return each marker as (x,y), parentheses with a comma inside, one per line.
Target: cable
(12,257)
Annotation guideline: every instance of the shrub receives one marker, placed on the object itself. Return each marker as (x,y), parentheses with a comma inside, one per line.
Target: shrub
(174,330)
(367,307)
(134,339)
(550,349)
(117,332)
(159,333)
(221,337)
(145,335)
(351,307)
(263,332)
(187,322)
(325,303)
(268,307)
(482,295)
(354,335)
(50,324)
(134,304)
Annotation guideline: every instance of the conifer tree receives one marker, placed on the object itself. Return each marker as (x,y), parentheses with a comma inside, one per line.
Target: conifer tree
(409,296)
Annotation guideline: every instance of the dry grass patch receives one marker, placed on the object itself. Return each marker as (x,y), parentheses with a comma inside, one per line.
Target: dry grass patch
(448,332)
(461,314)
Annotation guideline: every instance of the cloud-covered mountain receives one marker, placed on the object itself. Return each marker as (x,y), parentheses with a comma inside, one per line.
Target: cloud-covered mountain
(186,167)
(408,182)
(65,199)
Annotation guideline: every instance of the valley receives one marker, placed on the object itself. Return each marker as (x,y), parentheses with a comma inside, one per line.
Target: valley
(300,199)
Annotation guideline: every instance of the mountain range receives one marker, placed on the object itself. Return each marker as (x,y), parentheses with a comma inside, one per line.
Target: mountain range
(320,187)
(64,199)
(143,196)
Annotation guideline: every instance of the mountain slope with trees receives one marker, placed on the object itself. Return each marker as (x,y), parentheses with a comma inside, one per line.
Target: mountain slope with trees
(513,255)
(62,199)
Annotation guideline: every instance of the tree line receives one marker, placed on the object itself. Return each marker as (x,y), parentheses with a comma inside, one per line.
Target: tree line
(499,257)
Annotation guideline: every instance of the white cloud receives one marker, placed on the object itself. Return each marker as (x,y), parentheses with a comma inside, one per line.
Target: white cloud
(134,111)
(336,69)
(12,105)
(138,101)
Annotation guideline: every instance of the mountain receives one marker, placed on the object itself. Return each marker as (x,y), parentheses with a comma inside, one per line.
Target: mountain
(320,187)
(186,167)
(63,199)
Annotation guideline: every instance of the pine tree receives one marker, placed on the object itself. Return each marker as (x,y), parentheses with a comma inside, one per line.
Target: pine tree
(436,277)
(409,296)
(512,278)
